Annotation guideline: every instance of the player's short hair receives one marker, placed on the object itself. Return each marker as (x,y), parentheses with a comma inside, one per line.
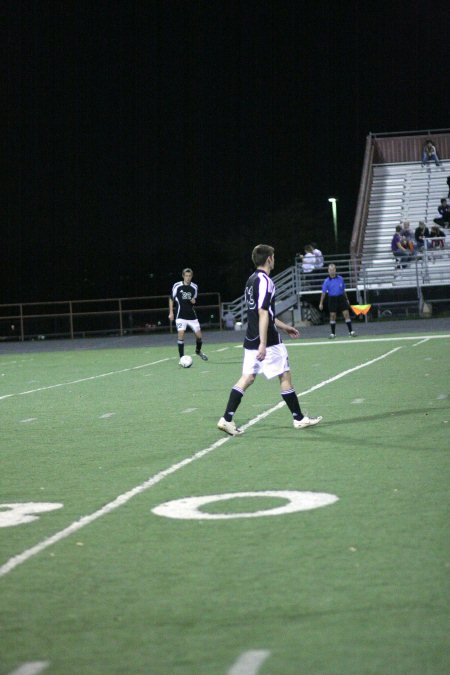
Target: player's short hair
(260,254)
(186,269)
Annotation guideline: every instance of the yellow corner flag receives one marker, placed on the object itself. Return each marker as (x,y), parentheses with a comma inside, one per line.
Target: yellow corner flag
(360,309)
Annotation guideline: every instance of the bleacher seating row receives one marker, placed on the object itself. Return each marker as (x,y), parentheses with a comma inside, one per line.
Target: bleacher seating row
(399,192)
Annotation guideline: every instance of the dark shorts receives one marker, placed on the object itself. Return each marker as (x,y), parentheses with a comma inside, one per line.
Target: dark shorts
(337,303)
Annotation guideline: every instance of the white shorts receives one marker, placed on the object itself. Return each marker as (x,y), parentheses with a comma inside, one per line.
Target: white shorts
(193,324)
(275,363)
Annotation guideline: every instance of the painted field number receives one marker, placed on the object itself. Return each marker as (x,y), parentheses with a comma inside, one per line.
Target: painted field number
(24,512)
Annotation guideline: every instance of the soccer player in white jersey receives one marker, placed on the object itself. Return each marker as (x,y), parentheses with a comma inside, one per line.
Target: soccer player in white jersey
(182,299)
(264,351)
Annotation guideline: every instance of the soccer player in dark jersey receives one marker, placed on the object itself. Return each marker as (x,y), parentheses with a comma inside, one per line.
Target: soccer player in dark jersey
(264,351)
(181,307)
(334,287)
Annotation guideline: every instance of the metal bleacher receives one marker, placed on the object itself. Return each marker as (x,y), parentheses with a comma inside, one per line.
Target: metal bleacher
(400,192)
(392,191)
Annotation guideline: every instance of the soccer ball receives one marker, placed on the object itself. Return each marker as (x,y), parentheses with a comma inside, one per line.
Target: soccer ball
(186,361)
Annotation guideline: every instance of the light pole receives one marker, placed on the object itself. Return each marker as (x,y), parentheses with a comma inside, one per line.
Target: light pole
(333,201)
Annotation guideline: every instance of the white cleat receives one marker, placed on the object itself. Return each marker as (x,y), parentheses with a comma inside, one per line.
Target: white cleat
(229,427)
(352,333)
(307,422)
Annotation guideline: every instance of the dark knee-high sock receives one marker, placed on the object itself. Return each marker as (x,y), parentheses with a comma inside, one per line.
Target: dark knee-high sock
(291,400)
(236,395)
(349,325)
(181,348)
(198,345)
(333,327)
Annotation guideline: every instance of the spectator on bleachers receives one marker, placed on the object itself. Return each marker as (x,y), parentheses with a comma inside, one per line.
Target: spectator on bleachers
(401,253)
(444,214)
(421,234)
(308,260)
(448,183)
(319,256)
(429,153)
(408,237)
(437,232)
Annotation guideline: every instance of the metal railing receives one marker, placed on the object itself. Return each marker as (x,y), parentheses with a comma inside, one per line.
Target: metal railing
(82,318)
(147,314)
(293,284)
(364,280)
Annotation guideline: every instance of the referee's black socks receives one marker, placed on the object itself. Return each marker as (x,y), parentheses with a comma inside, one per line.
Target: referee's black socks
(349,325)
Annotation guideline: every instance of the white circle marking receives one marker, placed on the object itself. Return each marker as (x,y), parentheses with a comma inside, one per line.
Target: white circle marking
(187,508)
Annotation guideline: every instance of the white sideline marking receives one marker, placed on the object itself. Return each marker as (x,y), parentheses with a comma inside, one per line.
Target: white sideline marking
(28,419)
(86,379)
(249,662)
(224,349)
(358,400)
(361,340)
(421,342)
(288,344)
(106,415)
(189,410)
(31,668)
(122,499)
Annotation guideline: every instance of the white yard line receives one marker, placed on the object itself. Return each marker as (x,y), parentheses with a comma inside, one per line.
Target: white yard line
(421,342)
(249,662)
(86,379)
(122,499)
(281,404)
(291,343)
(31,668)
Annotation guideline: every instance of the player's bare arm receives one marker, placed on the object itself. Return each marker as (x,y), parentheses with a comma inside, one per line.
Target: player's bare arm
(289,330)
(263,326)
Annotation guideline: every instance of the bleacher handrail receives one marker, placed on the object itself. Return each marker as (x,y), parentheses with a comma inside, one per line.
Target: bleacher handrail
(363,201)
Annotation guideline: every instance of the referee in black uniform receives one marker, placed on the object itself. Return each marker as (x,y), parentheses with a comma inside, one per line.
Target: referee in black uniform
(334,287)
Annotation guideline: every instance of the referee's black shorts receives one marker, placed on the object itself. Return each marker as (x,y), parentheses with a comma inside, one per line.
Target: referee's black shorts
(337,303)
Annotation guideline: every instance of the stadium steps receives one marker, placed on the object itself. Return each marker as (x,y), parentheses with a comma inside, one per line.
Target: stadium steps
(399,192)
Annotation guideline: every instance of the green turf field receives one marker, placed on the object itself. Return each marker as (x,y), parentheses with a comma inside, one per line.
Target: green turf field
(100,584)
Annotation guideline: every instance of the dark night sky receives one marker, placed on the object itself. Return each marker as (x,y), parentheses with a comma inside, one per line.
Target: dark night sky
(142,137)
